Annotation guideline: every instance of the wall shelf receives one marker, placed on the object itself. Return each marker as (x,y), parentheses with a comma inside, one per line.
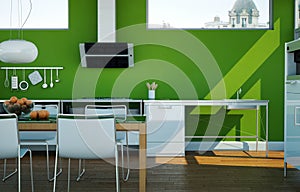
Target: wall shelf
(32,68)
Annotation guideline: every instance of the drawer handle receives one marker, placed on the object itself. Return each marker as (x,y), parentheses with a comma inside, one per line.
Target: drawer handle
(295,118)
(165,107)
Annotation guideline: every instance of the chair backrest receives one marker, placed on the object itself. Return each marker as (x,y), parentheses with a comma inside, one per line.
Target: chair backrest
(118,111)
(9,136)
(53,109)
(86,136)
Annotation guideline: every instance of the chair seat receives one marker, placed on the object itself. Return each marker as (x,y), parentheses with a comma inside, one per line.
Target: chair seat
(120,137)
(23,152)
(37,135)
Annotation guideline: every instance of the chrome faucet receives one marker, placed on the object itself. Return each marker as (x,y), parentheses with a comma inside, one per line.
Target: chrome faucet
(238,93)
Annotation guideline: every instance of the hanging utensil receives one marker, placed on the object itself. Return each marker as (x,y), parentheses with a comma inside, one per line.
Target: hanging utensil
(14,80)
(23,84)
(51,81)
(57,79)
(45,79)
(6,82)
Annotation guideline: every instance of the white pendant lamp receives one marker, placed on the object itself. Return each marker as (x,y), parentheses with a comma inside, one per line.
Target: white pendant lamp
(18,50)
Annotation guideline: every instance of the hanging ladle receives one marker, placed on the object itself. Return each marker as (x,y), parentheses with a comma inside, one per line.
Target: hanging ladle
(51,81)
(45,83)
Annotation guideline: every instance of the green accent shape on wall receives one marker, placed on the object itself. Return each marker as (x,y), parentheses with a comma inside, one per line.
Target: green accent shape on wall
(207,110)
(184,43)
(250,62)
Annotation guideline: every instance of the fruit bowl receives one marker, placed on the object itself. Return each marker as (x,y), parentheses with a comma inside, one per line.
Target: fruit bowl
(20,107)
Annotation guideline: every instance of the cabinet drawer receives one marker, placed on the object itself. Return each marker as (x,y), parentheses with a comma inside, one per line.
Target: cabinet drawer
(292,120)
(165,149)
(293,88)
(164,112)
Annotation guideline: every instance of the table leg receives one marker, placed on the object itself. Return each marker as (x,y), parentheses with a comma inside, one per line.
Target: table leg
(256,129)
(267,131)
(143,159)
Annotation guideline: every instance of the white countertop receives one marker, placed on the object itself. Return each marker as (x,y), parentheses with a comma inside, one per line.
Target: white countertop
(209,102)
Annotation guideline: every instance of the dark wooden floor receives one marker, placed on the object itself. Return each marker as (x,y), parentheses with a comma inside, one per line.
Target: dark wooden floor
(211,171)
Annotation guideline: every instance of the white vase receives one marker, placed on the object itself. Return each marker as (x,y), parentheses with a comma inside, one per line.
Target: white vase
(151,94)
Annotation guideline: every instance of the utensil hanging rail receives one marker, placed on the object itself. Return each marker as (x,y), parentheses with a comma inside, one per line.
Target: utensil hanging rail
(32,68)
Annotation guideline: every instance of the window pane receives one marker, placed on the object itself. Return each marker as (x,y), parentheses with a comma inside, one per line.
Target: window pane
(42,14)
(202,14)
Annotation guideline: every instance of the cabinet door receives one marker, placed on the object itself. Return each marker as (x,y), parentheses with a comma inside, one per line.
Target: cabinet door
(165,149)
(293,90)
(293,121)
(292,135)
(165,123)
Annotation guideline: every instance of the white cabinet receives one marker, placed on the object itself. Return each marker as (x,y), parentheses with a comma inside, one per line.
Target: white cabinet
(292,105)
(165,129)
(292,134)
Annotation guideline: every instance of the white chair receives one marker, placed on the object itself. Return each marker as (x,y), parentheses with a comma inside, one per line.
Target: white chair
(10,146)
(42,138)
(86,137)
(120,114)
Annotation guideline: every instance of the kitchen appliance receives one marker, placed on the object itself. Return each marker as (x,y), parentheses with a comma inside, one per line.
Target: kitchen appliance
(106,55)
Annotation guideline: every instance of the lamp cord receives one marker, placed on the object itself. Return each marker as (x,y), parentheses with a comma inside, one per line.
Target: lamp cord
(20,18)
(30,4)
(10,22)
(20,33)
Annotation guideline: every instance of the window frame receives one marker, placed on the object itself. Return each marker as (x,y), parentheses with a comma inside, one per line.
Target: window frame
(159,27)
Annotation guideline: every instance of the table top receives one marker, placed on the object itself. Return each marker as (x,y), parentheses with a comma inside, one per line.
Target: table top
(129,119)
(134,123)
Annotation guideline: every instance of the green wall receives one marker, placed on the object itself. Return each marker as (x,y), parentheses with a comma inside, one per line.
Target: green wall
(188,64)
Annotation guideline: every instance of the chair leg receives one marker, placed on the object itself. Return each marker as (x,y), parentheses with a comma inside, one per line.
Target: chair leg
(125,178)
(117,169)
(19,168)
(48,166)
(69,174)
(80,173)
(4,171)
(31,171)
(55,168)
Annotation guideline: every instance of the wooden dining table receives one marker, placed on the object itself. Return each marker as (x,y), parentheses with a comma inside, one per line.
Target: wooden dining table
(139,126)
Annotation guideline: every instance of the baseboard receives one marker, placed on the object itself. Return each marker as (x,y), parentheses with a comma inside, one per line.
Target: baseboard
(233,145)
(210,146)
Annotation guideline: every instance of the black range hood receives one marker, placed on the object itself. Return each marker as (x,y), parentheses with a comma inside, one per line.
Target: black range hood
(106,55)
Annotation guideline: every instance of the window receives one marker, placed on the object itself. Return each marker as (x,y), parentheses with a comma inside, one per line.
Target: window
(209,14)
(297,14)
(233,22)
(244,24)
(42,14)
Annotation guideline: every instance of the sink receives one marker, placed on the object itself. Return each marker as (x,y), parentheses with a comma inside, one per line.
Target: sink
(238,104)
(239,100)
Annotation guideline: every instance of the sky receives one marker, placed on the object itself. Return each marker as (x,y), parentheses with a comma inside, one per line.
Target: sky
(194,13)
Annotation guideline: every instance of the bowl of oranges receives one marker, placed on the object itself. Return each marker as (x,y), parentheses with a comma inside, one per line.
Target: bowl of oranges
(20,106)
